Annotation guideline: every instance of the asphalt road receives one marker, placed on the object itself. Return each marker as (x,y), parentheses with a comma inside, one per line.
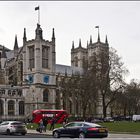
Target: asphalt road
(43,137)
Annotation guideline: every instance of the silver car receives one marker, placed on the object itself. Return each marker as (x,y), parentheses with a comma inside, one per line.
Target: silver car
(11,127)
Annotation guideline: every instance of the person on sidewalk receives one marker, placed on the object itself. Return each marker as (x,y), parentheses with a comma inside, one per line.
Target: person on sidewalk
(53,121)
(40,126)
(45,122)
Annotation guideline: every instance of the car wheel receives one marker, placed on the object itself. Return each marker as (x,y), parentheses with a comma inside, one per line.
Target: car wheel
(8,132)
(56,134)
(23,133)
(81,135)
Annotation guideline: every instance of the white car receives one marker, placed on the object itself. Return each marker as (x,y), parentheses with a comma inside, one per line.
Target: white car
(11,127)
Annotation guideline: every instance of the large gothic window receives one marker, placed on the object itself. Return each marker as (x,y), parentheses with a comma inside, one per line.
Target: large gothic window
(21,107)
(76,61)
(21,70)
(45,95)
(45,57)
(11,107)
(1,107)
(31,57)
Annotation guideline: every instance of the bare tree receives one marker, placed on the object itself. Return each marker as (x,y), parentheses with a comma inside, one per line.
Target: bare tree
(109,76)
(132,94)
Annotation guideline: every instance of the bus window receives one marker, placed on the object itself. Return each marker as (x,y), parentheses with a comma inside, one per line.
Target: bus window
(59,115)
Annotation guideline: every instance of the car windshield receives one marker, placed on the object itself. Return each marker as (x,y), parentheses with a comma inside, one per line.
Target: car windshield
(92,124)
(17,123)
(3,123)
(86,124)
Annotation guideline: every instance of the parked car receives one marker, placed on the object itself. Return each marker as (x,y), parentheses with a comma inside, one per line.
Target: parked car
(81,130)
(108,119)
(136,118)
(11,127)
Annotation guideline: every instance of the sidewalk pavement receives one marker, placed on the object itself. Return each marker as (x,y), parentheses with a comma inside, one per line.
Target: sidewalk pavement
(31,131)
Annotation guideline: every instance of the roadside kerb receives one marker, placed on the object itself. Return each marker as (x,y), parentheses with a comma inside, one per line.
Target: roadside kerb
(32,131)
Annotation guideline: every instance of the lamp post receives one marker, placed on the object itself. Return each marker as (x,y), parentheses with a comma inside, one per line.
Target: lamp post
(36,103)
(33,102)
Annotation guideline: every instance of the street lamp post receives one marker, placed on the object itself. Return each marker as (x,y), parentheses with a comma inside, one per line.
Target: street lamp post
(36,103)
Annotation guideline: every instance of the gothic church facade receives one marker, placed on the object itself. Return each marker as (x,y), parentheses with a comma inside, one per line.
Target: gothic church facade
(29,75)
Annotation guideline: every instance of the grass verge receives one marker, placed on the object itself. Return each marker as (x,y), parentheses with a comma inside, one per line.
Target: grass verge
(123,127)
(113,127)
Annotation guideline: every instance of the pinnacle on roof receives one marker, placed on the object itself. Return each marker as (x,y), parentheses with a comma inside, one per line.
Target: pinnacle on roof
(72,44)
(90,39)
(98,36)
(53,34)
(24,35)
(106,40)
(16,43)
(80,43)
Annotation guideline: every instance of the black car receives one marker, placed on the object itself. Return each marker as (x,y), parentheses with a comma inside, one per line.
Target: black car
(81,130)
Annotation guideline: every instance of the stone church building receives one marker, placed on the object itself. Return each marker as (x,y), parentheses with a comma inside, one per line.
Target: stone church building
(29,75)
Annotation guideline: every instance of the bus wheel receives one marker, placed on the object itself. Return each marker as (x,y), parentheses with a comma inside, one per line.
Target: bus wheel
(56,134)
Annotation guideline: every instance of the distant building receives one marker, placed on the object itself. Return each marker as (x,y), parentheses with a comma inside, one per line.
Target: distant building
(29,75)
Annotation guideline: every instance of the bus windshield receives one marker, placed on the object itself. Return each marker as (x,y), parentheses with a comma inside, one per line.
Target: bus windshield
(58,115)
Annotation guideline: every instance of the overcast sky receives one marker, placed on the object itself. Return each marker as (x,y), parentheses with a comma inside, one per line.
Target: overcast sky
(72,20)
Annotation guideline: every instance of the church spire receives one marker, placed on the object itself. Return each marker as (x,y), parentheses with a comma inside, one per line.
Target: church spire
(16,43)
(24,36)
(80,43)
(98,36)
(53,35)
(106,40)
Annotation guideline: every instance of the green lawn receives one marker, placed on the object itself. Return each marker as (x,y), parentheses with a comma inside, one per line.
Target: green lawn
(123,126)
(34,126)
(114,127)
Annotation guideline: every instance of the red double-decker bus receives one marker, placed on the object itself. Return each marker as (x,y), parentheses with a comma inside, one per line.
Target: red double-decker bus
(58,115)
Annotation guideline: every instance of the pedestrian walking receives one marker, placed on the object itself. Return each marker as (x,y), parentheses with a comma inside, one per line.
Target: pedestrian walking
(53,121)
(45,122)
(65,121)
(40,126)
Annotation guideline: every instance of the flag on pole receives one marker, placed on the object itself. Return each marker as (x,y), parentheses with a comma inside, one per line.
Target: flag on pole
(37,8)
(96,26)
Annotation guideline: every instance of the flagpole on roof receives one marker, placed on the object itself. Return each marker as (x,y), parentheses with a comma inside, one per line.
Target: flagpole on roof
(98,33)
(38,8)
(39,16)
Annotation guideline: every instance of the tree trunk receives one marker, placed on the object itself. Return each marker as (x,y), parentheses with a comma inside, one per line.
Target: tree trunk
(104,107)
(84,112)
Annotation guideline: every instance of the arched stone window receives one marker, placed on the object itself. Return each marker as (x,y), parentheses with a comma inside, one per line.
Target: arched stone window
(11,107)
(1,107)
(46,95)
(31,57)
(21,70)
(21,107)
(45,56)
